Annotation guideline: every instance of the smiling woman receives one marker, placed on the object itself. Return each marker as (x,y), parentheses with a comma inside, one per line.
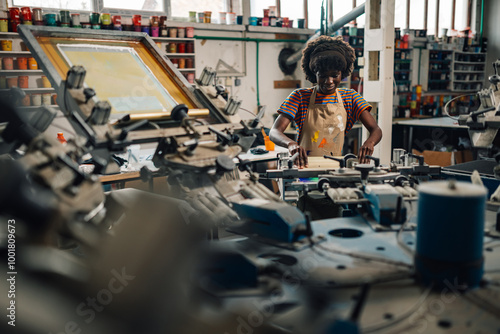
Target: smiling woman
(325,112)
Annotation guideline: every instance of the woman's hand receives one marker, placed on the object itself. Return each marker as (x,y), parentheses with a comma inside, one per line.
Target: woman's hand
(301,160)
(375,136)
(366,149)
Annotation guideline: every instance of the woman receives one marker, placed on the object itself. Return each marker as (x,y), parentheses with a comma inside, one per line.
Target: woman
(325,113)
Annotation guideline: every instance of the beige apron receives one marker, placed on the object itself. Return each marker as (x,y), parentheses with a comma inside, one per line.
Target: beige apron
(323,128)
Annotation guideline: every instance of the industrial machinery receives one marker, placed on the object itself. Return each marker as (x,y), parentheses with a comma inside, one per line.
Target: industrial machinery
(220,254)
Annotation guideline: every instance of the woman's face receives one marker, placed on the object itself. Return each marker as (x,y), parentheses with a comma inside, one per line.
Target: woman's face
(328,81)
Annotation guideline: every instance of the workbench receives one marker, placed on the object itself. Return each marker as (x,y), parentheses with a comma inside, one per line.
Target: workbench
(442,123)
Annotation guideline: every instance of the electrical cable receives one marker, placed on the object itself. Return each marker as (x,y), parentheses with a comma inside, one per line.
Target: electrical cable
(154,125)
(485,305)
(363,257)
(445,108)
(399,236)
(405,315)
(248,111)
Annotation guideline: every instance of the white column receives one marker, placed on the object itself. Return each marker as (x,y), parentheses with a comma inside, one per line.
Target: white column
(378,89)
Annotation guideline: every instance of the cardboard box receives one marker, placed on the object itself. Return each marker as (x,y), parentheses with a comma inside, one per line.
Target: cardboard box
(445,159)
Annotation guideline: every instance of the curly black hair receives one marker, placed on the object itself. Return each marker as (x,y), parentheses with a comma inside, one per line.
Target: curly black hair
(327,61)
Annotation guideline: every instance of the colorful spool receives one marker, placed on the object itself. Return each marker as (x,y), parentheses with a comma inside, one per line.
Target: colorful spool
(75,20)
(22,81)
(14,13)
(46,99)
(145,28)
(32,64)
(45,82)
(117,22)
(106,19)
(50,19)
(13,25)
(172,32)
(137,22)
(37,14)
(95,19)
(182,62)
(22,63)
(450,234)
(6,45)
(8,63)
(26,15)
(172,48)
(181,32)
(4,25)
(11,82)
(181,47)
(64,17)
(36,99)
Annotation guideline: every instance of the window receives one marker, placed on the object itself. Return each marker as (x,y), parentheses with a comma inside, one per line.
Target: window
(400,14)
(181,8)
(257,7)
(431,18)
(292,11)
(361,19)
(86,5)
(340,8)
(417,9)
(444,15)
(461,15)
(314,12)
(146,5)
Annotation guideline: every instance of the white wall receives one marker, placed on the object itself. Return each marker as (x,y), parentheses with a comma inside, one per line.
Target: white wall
(242,56)
(491,27)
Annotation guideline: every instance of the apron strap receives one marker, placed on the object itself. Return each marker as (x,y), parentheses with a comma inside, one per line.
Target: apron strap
(312,99)
(339,98)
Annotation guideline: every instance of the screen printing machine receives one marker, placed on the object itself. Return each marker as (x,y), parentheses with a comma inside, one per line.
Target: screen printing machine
(414,251)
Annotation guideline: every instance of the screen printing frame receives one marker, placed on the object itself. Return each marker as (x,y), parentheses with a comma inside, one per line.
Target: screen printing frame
(41,41)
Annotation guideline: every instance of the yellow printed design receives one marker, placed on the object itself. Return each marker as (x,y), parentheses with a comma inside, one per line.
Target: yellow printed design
(314,139)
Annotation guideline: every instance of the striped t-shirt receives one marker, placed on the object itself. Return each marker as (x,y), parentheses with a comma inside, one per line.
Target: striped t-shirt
(295,105)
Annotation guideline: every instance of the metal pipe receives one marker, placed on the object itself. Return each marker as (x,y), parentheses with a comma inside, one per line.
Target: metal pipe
(360,10)
(481,29)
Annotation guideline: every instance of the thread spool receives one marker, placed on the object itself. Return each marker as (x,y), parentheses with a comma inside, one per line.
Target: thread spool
(4,24)
(23,81)
(36,99)
(181,47)
(8,63)
(75,20)
(64,17)
(50,19)
(145,28)
(11,82)
(46,99)
(450,233)
(22,63)
(137,22)
(6,45)
(37,14)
